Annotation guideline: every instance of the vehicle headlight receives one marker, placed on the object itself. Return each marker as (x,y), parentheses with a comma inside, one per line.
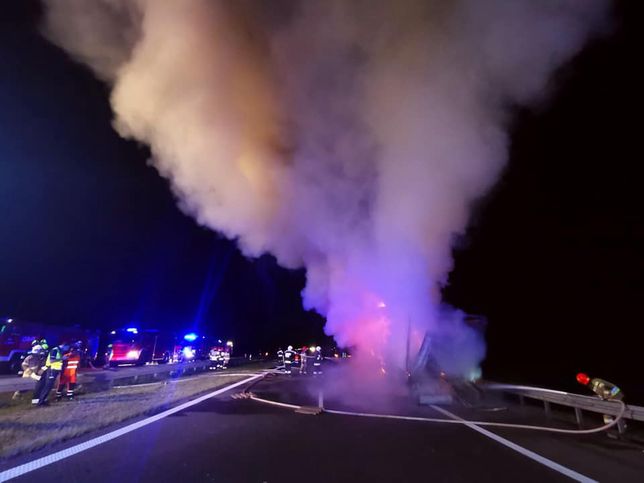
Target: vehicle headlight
(188,353)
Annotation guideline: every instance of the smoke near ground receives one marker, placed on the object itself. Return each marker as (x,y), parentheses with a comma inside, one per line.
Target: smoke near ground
(351,138)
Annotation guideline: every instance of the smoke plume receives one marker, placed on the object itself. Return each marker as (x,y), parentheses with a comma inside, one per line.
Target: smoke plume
(348,137)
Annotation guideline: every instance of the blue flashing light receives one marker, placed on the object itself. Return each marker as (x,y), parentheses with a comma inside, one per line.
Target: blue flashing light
(190,337)
(134,330)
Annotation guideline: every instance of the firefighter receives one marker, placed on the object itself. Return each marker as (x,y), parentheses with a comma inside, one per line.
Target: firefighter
(68,376)
(220,359)
(53,367)
(213,355)
(604,389)
(289,355)
(303,360)
(317,361)
(280,355)
(43,352)
(31,366)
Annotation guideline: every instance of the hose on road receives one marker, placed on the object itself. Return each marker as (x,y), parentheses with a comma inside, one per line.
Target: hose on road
(486,423)
(458,420)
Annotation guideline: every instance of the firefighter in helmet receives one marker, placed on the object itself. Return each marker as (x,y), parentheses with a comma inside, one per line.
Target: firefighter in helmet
(31,366)
(53,367)
(604,389)
(213,356)
(317,361)
(289,356)
(68,376)
(303,361)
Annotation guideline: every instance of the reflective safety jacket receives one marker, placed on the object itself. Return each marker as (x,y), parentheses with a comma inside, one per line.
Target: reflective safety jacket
(605,389)
(289,356)
(318,358)
(71,367)
(55,359)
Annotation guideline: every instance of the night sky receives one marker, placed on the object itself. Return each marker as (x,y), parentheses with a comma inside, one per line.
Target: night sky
(91,235)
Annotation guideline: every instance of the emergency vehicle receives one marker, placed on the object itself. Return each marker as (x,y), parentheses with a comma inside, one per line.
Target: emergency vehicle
(195,347)
(16,337)
(222,350)
(137,347)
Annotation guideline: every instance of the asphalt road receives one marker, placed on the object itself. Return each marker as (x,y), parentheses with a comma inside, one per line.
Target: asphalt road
(229,440)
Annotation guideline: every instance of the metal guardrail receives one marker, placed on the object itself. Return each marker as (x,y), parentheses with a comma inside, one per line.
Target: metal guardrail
(108,376)
(577,401)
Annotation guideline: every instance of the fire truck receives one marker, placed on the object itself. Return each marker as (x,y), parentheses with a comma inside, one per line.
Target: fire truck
(133,346)
(219,354)
(16,337)
(195,347)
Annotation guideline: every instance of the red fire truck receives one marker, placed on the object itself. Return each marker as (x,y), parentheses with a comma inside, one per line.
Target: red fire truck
(16,337)
(135,346)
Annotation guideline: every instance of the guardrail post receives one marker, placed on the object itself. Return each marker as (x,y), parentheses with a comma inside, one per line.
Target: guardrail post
(579,417)
(546,406)
(621,426)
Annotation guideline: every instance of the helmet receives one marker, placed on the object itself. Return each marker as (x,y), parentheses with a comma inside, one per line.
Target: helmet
(583,378)
(290,348)
(318,348)
(35,349)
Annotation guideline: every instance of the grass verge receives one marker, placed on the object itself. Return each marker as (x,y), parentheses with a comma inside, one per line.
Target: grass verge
(24,428)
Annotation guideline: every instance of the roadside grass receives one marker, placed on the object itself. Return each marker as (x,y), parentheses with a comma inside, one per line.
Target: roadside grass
(24,428)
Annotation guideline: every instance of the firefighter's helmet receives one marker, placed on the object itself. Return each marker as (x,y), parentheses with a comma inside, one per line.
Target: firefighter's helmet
(290,348)
(583,378)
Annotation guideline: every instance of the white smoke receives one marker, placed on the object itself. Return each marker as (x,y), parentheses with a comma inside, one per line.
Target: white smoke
(348,137)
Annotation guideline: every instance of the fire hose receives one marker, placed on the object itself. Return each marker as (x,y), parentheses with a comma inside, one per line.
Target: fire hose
(458,421)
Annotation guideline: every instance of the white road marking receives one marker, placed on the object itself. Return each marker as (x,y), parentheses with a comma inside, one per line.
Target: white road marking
(520,449)
(71,451)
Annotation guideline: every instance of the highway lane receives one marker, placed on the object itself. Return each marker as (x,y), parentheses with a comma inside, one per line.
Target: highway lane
(223,439)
